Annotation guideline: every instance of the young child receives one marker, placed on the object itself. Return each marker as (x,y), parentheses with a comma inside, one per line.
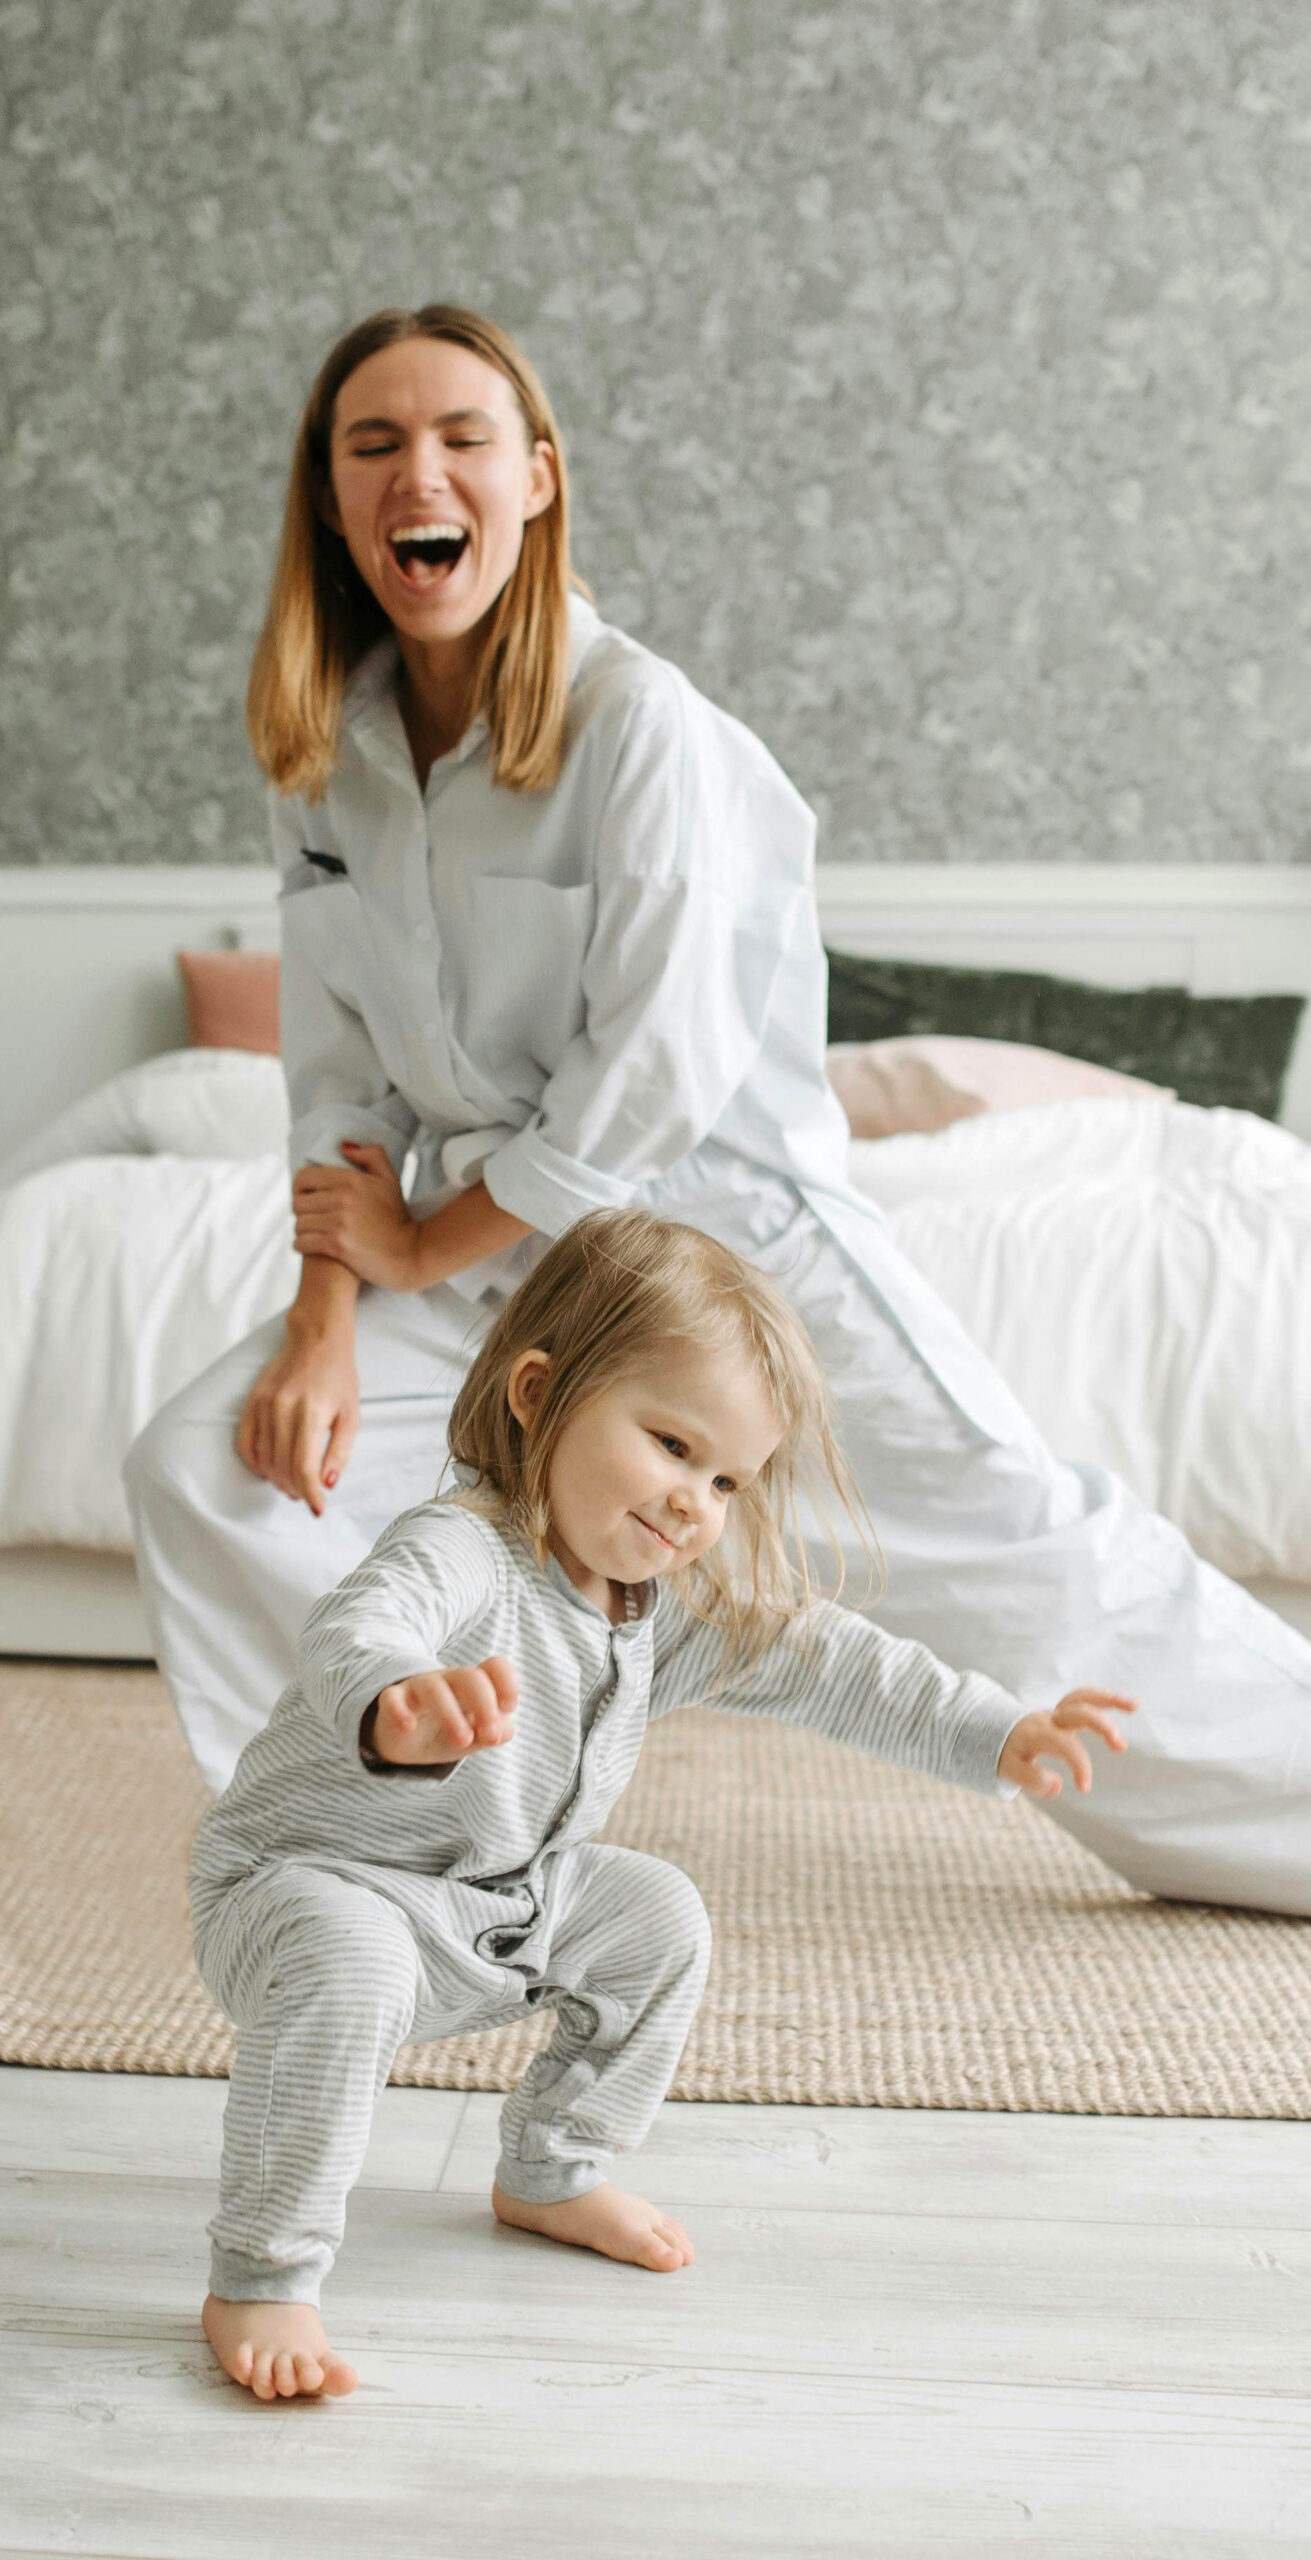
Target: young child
(394,1860)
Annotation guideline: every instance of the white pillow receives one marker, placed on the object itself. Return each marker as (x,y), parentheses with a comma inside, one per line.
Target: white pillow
(189,1102)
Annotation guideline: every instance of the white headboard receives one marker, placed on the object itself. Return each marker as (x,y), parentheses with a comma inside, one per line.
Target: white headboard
(90,984)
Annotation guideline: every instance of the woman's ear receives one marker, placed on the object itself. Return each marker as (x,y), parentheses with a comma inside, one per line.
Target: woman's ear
(543,481)
(526,1386)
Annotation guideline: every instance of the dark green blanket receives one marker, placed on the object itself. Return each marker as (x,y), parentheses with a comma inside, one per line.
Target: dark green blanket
(1212,1049)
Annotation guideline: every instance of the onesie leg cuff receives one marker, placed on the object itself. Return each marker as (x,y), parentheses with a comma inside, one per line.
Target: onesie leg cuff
(548,2181)
(237,2279)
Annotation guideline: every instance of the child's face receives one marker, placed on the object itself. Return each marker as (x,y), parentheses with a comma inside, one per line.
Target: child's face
(644,1476)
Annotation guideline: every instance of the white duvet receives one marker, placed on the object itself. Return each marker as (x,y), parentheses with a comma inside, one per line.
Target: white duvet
(1137,1271)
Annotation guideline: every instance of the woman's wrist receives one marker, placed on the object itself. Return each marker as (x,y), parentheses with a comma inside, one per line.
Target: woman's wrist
(324,1304)
(462,1231)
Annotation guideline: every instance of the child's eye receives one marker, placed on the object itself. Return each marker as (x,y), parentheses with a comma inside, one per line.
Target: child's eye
(725,1484)
(677,1448)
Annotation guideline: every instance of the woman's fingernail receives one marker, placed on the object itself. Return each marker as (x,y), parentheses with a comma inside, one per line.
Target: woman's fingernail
(330,1482)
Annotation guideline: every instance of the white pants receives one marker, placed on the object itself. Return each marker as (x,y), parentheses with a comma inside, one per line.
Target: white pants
(1000,1557)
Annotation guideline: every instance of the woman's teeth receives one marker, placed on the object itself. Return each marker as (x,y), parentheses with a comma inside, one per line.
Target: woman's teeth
(423,552)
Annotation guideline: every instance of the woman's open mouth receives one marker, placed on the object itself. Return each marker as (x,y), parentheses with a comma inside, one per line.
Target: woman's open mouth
(426,554)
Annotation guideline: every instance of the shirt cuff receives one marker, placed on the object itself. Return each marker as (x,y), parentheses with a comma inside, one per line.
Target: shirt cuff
(548,1190)
(317,1136)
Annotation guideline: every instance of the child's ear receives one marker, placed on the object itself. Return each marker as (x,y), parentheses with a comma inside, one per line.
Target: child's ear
(526,1386)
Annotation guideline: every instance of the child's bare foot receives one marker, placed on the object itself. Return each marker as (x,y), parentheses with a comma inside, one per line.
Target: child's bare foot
(619,2225)
(277,2349)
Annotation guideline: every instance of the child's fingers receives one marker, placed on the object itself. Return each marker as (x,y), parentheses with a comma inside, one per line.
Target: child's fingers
(479,1697)
(503,1677)
(1065,1746)
(1097,1698)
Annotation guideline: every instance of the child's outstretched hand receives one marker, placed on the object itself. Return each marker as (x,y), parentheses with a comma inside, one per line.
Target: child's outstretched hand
(1055,1737)
(440,1716)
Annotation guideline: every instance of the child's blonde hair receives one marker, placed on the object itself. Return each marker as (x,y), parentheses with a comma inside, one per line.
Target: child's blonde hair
(619,1287)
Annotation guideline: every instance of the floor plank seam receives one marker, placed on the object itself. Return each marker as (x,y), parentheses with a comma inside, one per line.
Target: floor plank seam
(688,2368)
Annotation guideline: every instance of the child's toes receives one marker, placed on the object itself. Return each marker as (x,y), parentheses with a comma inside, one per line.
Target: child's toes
(261,2380)
(676,2238)
(338,2376)
(243,2362)
(309,2373)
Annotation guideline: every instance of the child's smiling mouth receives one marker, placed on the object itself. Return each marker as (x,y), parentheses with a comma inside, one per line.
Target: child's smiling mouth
(657,1534)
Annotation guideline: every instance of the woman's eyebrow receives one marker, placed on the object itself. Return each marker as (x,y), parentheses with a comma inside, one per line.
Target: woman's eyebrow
(448,418)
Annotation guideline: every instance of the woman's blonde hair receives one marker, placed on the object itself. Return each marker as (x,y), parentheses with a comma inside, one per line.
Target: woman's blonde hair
(322,618)
(621,1287)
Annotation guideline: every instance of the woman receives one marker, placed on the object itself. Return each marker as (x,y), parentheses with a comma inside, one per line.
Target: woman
(548,921)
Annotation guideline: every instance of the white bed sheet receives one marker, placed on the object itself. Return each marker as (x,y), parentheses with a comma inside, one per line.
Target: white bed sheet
(1141,1276)
(1138,1272)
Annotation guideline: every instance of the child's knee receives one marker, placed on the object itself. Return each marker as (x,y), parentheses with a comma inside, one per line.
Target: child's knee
(674,1919)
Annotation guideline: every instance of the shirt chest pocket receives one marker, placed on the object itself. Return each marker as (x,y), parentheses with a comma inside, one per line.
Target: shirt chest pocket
(522,1000)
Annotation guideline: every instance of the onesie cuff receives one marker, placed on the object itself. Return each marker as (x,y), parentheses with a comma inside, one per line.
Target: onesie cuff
(237,2279)
(534,1181)
(988,1716)
(380,1675)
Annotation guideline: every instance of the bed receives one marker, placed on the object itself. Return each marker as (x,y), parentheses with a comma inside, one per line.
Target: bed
(1135,1268)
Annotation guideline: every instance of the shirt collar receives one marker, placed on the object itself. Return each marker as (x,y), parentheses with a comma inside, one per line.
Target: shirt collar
(373,681)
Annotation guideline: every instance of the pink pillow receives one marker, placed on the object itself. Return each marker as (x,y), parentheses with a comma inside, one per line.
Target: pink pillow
(890,1086)
(232,999)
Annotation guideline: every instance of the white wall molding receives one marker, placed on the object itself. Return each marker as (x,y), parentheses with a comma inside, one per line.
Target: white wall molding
(187,885)
(1175,888)
(1178,888)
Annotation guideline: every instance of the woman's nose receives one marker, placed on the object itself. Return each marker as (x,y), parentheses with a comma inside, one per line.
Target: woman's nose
(424,464)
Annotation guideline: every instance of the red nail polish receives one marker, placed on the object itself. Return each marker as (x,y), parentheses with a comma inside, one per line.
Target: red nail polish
(330,1482)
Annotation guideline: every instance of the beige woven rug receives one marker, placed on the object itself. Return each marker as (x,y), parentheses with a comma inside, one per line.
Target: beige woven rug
(879,1940)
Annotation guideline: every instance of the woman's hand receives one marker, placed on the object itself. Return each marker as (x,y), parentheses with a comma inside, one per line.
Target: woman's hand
(302,1414)
(1054,1736)
(358,1217)
(440,1716)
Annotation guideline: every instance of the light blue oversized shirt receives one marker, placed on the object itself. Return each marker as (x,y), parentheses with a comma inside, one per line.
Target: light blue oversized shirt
(565,992)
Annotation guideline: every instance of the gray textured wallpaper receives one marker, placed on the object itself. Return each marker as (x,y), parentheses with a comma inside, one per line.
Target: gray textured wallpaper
(936,376)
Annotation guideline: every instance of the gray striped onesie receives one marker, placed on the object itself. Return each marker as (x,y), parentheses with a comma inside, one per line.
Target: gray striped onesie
(341,1909)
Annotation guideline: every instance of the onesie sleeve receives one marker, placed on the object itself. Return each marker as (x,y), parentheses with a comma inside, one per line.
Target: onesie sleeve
(336,1084)
(835,1673)
(432,1576)
(703,856)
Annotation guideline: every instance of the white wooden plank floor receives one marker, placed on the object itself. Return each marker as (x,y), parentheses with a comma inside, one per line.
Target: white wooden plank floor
(904,2334)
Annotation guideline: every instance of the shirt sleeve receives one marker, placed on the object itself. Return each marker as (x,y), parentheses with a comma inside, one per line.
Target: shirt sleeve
(703,860)
(336,1084)
(835,1673)
(431,1577)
